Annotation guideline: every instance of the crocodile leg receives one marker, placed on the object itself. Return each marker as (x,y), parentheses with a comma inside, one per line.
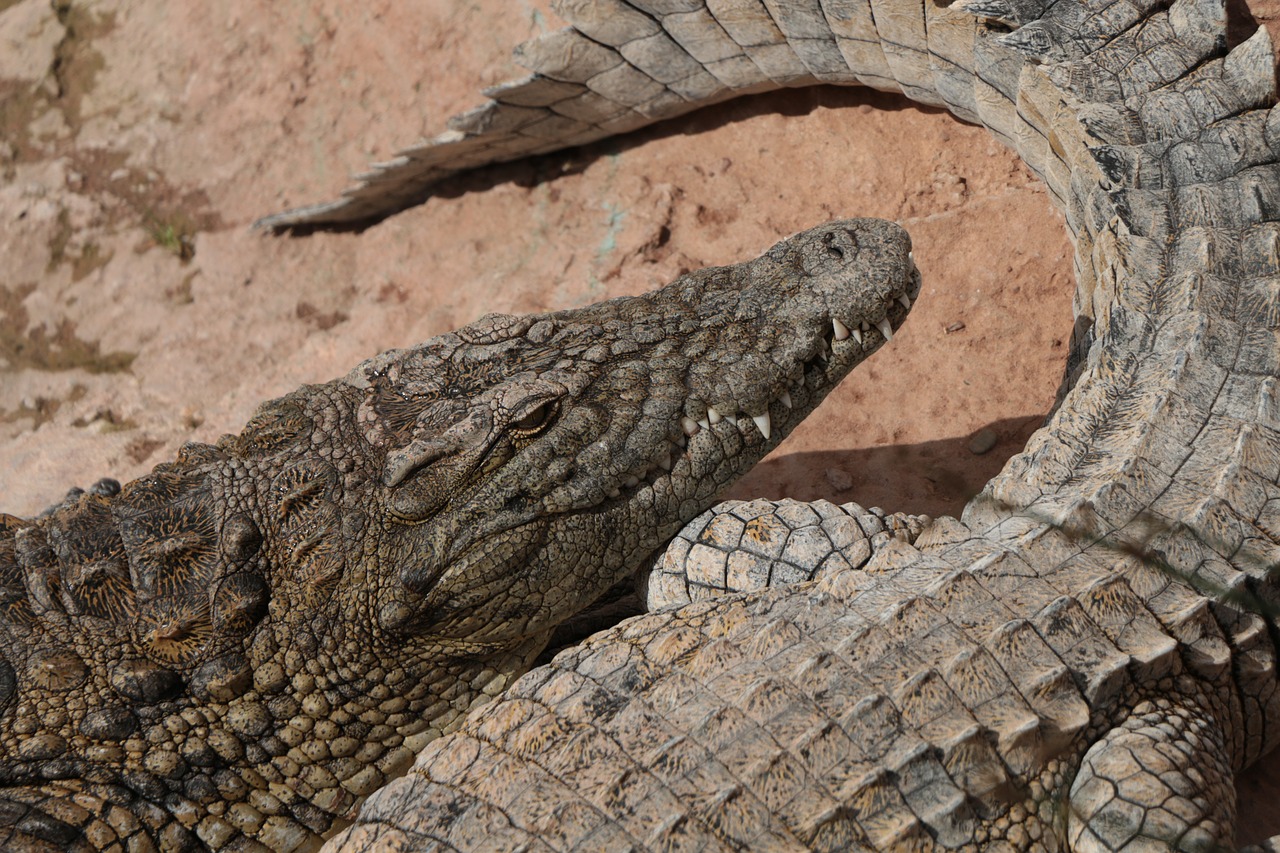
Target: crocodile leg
(1161,778)
(741,546)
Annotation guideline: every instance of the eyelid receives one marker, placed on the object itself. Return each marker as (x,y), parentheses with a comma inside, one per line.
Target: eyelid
(536,419)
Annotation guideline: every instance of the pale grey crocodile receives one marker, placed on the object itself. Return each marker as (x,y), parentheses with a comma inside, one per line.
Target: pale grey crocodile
(1084,659)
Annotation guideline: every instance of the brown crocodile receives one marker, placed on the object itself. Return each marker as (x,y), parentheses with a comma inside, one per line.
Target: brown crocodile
(233,651)
(1085,658)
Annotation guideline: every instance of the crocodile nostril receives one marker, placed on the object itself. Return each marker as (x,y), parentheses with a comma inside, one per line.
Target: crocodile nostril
(833,248)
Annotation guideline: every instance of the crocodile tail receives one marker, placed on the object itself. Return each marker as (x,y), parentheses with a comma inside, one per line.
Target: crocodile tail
(623,65)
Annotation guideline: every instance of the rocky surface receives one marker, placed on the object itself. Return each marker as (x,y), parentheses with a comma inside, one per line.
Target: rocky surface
(137,311)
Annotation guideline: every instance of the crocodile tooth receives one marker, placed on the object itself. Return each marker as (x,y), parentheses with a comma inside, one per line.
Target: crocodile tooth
(614,492)
(690,426)
(866,327)
(857,335)
(703,423)
(631,482)
(905,301)
(733,419)
(664,461)
(885,328)
(785,398)
(841,330)
(763,424)
(713,416)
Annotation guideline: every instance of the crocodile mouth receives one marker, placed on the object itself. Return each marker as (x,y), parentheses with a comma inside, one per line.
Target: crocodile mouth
(757,429)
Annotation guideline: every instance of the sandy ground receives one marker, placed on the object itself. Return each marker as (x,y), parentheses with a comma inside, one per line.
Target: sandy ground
(138,312)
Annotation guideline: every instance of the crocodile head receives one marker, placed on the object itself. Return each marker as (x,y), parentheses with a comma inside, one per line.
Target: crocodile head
(526,464)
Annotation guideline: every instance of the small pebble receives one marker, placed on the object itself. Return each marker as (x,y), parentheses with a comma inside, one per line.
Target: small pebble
(838,479)
(982,441)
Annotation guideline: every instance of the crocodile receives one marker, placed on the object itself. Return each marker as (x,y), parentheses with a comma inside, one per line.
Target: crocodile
(1084,659)
(232,651)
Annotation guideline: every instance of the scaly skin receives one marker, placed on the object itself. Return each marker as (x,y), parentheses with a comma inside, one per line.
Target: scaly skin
(236,649)
(740,546)
(1086,658)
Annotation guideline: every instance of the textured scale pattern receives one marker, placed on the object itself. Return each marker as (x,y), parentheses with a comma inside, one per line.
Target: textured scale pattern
(740,546)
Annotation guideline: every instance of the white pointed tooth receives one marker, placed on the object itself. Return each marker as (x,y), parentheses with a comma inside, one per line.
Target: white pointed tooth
(704,423)
(689,426)
(905,301)
(713,416)
(841,330)
(866,327)
(763,424)
(785,399)
(885,328)
(857,336)
(733,419)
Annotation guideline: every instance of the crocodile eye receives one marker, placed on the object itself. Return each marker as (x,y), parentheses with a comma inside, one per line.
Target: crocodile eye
(536,421)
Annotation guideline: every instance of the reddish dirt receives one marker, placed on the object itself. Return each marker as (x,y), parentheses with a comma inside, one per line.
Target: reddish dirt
(137,312)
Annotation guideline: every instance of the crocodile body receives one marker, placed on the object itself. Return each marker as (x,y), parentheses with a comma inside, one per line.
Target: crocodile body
(233,651)
(1088,655)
